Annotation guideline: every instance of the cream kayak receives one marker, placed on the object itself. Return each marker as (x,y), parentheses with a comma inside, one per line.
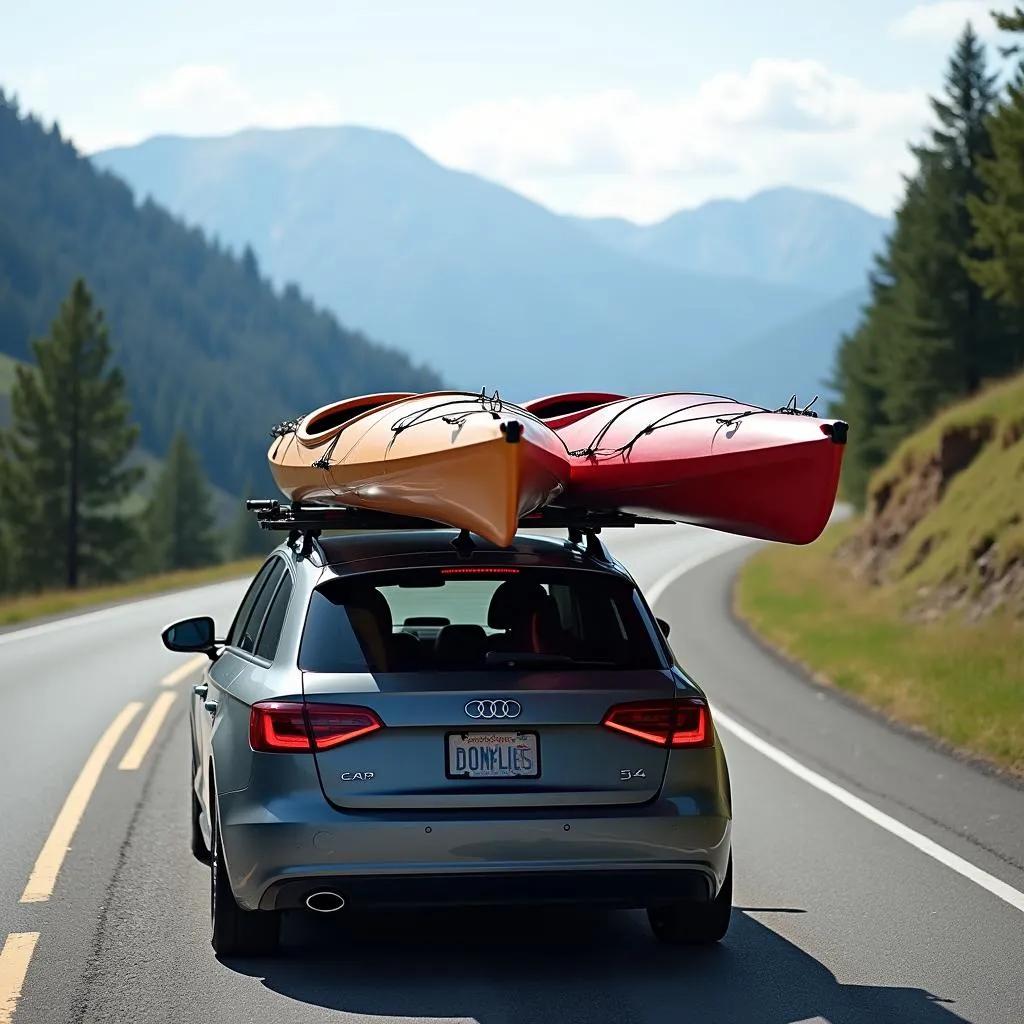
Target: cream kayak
(467,460)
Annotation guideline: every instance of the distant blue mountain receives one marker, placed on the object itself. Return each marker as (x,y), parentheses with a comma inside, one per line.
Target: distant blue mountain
(489,288)
(485,286)
(797,357)
(786,235)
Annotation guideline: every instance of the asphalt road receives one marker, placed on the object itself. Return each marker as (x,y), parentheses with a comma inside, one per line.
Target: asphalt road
(877,880)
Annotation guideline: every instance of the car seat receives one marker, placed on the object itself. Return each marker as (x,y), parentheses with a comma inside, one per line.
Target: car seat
(461,647)
(512,608)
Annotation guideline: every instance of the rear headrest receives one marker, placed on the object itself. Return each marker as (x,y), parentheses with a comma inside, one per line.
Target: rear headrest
(367,629)
(546,632)
(514,601)
(461,644)
(547,614)
(373,601)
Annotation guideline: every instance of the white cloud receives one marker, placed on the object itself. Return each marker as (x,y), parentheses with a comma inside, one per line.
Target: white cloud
(945,20)
(309,108)
(191,86)
(780,122)
(614,152)
(199,99)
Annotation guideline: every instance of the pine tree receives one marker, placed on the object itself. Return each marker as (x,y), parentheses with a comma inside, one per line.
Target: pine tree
(65,452)
(179,521)
(948,326)
(930,332)
(997,214)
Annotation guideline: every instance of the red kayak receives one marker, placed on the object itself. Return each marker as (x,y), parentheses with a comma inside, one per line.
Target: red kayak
(701,459)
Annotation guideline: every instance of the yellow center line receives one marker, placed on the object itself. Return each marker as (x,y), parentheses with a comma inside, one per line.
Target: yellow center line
(14,959)
(58,842)
(182,672)
(147,732)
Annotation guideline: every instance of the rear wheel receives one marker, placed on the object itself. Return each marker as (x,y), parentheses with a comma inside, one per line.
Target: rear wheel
(200,850)
(237,932)
(694,924)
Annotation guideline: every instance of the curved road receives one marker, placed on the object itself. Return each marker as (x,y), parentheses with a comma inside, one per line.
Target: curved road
(877,879)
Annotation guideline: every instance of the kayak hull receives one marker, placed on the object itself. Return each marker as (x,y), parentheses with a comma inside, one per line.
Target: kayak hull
(708,461)
(451,457)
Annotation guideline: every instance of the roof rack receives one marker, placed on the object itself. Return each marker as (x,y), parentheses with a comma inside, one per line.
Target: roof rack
(306,522)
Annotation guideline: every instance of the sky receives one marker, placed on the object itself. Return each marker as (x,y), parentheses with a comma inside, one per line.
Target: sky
(633,108)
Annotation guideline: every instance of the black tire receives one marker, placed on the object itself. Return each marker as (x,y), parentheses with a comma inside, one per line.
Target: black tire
(237,932)
(200,850)
(694,924)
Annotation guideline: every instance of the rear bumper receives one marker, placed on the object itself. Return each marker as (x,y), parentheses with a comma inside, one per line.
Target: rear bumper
(619,887)
(277,854)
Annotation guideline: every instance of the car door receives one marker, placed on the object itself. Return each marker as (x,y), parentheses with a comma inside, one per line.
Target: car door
(220,674)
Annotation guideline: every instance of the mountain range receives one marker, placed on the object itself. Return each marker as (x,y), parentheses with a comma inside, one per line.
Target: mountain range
(493,290)
(788,236)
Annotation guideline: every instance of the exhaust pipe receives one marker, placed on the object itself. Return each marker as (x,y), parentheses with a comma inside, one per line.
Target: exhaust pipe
(325,902)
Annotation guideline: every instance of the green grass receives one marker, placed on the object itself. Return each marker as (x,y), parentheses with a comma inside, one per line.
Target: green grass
(27,607)
(959,681)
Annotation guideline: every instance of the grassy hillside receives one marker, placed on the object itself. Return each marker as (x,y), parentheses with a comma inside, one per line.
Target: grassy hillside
(31,607)
(917,607)
(953,496)
(206,343)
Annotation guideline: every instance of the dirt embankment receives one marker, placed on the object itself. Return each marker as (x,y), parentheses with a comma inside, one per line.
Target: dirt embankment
(944,521)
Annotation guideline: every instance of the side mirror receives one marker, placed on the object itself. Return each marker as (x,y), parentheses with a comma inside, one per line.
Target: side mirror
(664,627)
(190,635)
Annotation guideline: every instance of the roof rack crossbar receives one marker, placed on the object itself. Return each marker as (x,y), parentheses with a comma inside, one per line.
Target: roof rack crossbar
(276,515)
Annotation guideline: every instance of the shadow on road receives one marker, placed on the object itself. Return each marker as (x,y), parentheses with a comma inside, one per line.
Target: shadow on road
(512,965)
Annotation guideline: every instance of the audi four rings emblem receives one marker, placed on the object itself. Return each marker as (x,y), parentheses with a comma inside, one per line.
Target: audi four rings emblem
(493,709)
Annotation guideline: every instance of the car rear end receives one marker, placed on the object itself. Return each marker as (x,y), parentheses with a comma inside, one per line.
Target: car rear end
(505,730)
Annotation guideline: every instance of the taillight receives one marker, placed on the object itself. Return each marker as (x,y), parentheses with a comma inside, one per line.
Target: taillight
(665,723)
(281,727)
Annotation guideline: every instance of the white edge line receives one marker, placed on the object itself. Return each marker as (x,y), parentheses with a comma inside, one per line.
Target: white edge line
(927,846)
(996,886)
(67,622)
(723,544)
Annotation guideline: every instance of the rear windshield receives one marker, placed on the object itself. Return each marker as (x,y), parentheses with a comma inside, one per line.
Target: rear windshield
(474,618)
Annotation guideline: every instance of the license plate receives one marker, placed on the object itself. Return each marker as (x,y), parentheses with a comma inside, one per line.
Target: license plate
(493,755)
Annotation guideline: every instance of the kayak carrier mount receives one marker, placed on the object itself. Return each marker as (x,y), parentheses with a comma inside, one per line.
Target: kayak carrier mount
(305,523)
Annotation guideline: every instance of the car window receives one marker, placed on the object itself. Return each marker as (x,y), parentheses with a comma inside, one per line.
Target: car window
(251,629)
(270,637)
(470,618)
(244,609)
